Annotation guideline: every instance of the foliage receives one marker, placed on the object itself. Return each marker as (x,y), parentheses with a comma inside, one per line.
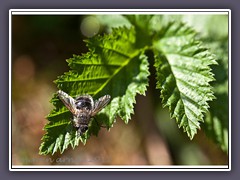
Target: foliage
(214,33)
(117,64)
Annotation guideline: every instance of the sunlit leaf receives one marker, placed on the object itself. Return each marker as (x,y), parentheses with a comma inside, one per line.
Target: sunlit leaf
(183,75)
(112,66)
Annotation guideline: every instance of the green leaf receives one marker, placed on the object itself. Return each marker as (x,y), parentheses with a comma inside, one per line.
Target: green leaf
(183,75)
(142,25)
(214,33)
(216,123)
(109,22)
(217,120)
(112,66)
(116,65)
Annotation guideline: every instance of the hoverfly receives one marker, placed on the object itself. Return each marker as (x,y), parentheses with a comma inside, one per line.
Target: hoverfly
(83,109)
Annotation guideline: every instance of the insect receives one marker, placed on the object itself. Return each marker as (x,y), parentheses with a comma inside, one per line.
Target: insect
(83,109)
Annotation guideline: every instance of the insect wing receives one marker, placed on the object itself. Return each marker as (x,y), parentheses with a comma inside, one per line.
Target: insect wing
(100,104)
(68,101)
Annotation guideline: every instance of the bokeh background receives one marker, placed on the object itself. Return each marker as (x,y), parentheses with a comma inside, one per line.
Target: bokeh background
(40,46)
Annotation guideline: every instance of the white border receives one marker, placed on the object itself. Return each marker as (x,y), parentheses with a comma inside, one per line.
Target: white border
(229,89)
(114,11)
(10,90)
(122,168)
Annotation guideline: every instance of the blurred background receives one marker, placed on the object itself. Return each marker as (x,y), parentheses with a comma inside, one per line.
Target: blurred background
(40,46)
